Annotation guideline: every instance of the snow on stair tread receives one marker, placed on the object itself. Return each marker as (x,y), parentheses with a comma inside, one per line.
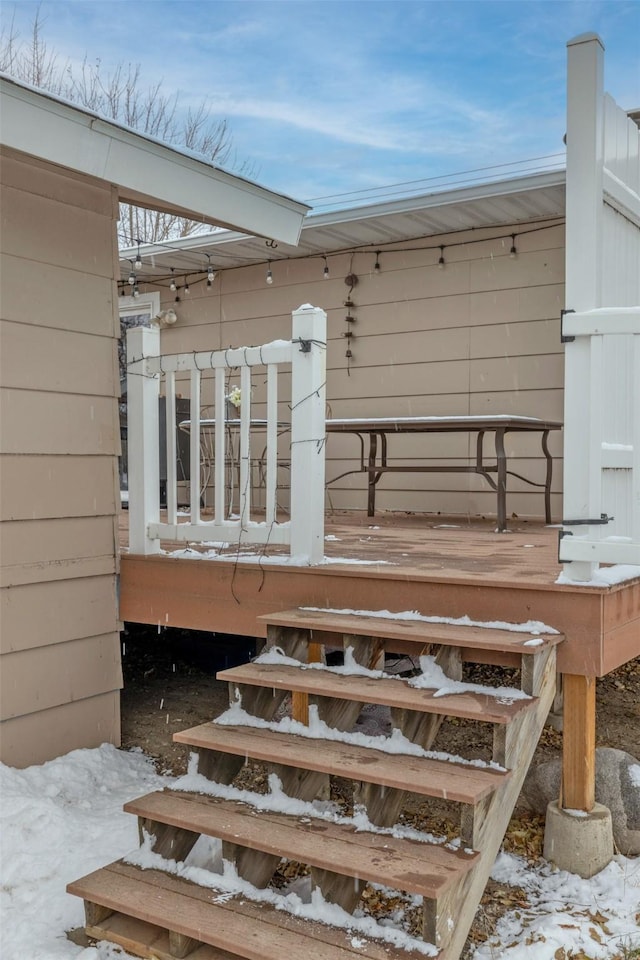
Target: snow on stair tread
(420,631)
(411,865)
(463,783)
(389,691)
(252,930)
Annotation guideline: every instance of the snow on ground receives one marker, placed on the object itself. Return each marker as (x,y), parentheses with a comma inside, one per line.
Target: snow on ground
(58,822)
(63,819)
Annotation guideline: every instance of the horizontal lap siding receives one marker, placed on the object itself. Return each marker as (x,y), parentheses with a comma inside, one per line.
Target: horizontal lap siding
(76,608)
(481,336)
(41,735)
(35,488)
(59,673)
(59,637)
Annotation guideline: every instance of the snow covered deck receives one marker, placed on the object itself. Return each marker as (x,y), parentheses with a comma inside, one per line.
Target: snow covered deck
(439,566)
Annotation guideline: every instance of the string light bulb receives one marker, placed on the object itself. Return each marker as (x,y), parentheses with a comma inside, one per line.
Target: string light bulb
(325,272)
(441,260)
(211,274)
(376,266)
(269,277)
(137,264)
(172,285)
(513,253)
(135,292)
(132,278)
(186,285)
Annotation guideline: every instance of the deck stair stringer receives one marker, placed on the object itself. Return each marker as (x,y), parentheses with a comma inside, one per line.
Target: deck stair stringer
(156,914)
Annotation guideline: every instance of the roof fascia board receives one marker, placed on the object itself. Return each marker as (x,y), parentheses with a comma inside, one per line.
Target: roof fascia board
(144,170)
(501,188)
(482,191)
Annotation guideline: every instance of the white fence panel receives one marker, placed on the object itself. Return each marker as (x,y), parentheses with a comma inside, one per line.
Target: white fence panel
(602,359)
(305,355)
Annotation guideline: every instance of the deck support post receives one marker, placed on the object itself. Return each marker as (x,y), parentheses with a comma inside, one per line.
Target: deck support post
(578,832)
(579,743)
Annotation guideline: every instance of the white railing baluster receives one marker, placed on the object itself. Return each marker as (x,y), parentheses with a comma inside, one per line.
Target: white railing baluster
(272,444)
(170,417)
(245,446)
(194,432)
(220,452)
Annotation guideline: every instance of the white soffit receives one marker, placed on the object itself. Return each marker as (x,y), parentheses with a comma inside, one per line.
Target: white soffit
(146,172)
(536,197)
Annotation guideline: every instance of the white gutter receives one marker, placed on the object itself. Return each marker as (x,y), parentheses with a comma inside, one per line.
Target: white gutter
(146,172)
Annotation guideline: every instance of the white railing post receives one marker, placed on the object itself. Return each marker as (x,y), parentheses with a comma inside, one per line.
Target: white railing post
(308,392)
(585,87)
(143,440)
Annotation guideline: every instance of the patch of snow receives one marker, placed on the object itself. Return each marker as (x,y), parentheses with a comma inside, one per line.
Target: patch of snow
(274,655)
(566,915)
(317,729)
(59,821)
(530,626)
(604,576)
(433,677)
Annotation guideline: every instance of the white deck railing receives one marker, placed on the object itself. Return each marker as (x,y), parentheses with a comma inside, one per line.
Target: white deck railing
(150,375)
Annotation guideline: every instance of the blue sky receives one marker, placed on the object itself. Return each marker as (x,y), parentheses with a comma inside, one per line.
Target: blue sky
(326,97)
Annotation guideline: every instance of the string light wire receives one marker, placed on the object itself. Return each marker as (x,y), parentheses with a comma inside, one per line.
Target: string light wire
(416,245)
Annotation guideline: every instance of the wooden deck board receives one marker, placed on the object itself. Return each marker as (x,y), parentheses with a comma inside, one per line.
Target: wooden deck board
(260,931)
(462,783)
(390,692)
(439,566)
(416,631)
(422,868)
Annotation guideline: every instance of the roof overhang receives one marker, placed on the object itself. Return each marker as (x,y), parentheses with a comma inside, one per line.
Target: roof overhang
(524,199)
(145,171)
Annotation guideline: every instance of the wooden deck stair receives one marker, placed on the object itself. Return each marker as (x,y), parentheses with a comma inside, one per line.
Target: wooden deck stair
(156,914)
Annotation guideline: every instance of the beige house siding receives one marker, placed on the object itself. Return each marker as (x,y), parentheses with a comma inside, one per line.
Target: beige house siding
(481,335)
(59,441)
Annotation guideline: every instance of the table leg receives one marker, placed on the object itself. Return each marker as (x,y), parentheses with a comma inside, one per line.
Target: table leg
(501,461)
(373,450)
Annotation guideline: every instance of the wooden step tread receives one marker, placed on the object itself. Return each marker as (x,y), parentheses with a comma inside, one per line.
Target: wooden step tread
(423,868)
(419,631)
(147,939)
(459,782)
(388,691)
(255,931)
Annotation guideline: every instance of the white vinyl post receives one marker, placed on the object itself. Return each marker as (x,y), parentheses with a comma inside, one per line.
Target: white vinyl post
(143,435)
(308,392)
(585,88)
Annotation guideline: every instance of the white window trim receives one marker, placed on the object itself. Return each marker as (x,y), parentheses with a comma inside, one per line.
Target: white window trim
(146,303)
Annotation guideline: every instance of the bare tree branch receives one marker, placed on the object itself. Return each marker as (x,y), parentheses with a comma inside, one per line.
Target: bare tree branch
(121,95)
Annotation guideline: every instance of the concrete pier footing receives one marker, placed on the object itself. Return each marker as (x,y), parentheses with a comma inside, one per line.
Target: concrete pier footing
(579,842)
